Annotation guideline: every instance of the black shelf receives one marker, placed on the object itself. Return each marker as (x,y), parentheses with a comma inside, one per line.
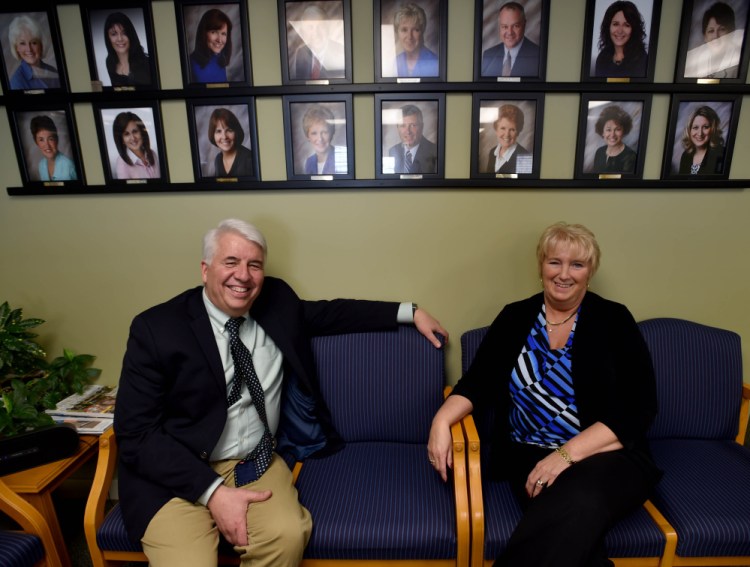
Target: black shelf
(387,184)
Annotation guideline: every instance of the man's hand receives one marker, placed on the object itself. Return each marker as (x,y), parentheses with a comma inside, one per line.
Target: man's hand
(228,506)
(428,326)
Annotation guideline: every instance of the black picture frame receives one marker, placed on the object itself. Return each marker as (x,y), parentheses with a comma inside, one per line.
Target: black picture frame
(214,70)
(315,38)
(599,63)
(132,27)
(390,55)
(235,116)
(683,112)
(314,121)
(717,52)
(518,120)
(34,73)
(606,122)
(530,62)
(137,118)
(49,130)
(391,110)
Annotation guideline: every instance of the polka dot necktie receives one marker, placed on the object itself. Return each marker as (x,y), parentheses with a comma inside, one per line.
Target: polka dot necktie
(257,461)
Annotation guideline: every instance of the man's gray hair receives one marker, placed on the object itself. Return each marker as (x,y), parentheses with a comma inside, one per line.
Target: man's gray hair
(248,231)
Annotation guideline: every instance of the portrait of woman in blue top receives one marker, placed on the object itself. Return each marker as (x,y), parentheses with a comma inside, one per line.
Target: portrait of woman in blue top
(414,59)
(29,46)
(54,166)
(213,48)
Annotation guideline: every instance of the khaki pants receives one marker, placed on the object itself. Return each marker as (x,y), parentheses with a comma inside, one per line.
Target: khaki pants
(184,534)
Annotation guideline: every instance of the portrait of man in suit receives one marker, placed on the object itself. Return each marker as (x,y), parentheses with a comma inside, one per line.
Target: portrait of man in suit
(315,42)
(516,55)
(414,154)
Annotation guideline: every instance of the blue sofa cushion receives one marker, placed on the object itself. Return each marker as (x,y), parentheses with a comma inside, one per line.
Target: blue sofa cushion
(705,495)
(378,500)
(369,382)
(699,379)
(19,549)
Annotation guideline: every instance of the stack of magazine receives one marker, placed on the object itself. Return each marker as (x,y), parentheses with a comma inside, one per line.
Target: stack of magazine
(91,412)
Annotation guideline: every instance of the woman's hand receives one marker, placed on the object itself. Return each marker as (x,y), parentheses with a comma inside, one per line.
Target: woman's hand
(440,443)
(439,448)
(544,474)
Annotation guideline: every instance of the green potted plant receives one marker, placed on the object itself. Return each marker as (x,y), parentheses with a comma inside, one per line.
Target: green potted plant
(30,384)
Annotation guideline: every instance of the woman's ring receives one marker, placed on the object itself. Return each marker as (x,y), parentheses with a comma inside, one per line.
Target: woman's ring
(432,461)
(541,484)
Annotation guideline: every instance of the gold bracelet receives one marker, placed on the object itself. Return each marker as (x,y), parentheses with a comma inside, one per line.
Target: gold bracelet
(565,456)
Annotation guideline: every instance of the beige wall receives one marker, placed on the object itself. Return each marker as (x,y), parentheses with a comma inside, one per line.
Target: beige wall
(89,263)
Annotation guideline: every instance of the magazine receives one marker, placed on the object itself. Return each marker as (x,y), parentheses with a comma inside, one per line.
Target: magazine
(95,401)
(86,425)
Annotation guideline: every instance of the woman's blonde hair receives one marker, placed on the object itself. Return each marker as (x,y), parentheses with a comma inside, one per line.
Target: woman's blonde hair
(572,235)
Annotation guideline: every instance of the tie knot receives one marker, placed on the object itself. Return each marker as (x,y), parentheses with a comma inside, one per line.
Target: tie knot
(233,326)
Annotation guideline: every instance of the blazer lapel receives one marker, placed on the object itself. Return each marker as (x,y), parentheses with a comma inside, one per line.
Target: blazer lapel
(201,327)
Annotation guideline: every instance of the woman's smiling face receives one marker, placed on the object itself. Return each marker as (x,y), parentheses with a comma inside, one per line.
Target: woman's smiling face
(224,136)
(119,39)
(132,137)
(620,30)
(700,131)
(217,39)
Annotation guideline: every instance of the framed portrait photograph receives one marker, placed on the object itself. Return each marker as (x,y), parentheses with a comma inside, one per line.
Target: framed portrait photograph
(319,137)
(713,42)
(223,138)
(132,142)
(315,41)
(620,39)
(511,40)
(507,136)
(47,147)
(409,139)
(612,135)
(120,46)
(411,40)
(214,43)
(32,55)
(701,134)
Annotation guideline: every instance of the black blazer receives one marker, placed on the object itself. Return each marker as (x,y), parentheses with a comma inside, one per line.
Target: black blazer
(171,403)
(424,162)
(510,166)
(525,65)
(613,376)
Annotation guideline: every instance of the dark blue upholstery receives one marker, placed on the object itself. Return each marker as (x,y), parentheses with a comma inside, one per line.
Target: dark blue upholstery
(699,379)
(635,536)
(378,498)
(18,549)
(705,493)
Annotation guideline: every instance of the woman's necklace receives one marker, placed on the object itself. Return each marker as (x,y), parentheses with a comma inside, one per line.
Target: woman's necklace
(551,324)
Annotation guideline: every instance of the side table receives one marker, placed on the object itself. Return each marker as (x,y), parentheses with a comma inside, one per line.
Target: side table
(36,486)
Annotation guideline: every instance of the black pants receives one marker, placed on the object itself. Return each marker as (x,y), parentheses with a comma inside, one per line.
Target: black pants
(566,524)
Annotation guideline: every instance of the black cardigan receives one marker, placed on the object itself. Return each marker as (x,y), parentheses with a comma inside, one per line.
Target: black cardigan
(613,376)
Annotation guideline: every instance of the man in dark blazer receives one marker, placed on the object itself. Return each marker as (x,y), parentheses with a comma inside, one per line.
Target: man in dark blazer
(319,56)
(422,154)
(179,436)
(524,53)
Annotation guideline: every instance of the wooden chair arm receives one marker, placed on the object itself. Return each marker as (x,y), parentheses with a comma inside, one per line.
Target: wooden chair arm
(670,547)
(461,492)
(30,520)
(744,414)
(93,515)
(476,498)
